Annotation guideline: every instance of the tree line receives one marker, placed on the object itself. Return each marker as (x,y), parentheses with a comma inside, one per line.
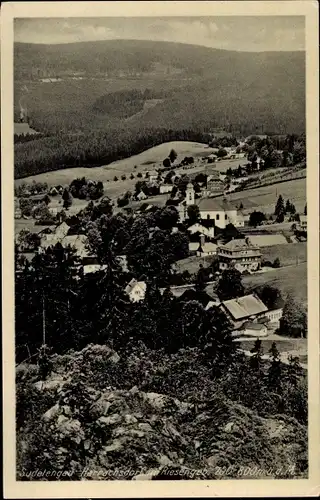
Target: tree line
(94,149)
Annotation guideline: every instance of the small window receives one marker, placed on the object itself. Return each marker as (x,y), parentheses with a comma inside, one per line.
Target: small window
(218,217)
(226,217)
(208,216)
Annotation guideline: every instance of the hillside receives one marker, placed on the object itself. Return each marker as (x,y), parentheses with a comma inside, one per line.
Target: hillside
(198,86)
(147,160)
(144,413)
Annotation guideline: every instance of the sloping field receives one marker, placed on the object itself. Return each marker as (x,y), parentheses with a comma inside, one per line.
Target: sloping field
(265,240)
(291,279)
(148,160)
(293,253)
(265,198)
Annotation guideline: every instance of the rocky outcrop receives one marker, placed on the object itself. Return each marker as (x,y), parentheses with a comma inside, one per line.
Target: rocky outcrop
(95,432)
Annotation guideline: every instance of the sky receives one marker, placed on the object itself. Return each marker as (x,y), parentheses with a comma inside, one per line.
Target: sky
(243,33)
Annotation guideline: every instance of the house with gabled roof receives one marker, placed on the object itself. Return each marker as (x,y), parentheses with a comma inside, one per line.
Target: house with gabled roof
(136,290)
(242,309)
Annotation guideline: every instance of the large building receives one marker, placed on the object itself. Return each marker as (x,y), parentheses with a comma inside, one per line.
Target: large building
(240,254)
(221,211)
(250,308)
(215,185)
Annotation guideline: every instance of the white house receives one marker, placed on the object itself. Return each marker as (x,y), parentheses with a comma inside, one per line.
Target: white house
(136,290)
(141,196)
(251,329)
(153,176)
(166,188)
(199,228)
(219,210)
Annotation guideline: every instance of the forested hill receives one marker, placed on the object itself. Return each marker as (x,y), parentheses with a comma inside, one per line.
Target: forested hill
(112,56)
(196,85)
(84,89)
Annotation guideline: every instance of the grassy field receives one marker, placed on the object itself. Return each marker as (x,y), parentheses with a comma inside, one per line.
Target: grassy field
(265,198)
(146,161)
(192,264)
(292,279)
(283,344)
(290,254)
(27,224)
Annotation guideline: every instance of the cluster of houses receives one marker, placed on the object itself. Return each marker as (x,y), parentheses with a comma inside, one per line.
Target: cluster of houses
(248,315)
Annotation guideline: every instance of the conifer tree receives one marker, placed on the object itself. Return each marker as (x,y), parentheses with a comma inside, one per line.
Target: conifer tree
(274,371)
(280,209)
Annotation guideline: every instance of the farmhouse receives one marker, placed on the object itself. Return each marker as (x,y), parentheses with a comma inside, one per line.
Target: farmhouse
(250,308)
(251,329)
(241,254)
(242,309)
(136,290)
(141,196)
(166,188)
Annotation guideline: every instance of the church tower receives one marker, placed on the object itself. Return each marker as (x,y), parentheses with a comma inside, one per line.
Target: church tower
(190,194)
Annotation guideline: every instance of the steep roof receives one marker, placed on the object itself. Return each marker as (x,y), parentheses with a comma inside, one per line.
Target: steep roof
(216,204)
(240,244)
(243,307)
(133,283)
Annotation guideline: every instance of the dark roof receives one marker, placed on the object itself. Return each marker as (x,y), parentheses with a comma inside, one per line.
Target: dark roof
(192,294)
(207,223)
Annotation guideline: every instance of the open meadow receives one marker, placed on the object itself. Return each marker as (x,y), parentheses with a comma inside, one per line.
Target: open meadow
(147,160)
(290,279)
(265,197)
(291,254)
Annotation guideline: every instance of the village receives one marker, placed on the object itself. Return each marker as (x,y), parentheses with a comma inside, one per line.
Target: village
(162,313)
(221,233)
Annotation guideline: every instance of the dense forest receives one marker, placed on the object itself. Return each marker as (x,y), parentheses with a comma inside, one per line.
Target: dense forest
(85,118)
(95,149)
